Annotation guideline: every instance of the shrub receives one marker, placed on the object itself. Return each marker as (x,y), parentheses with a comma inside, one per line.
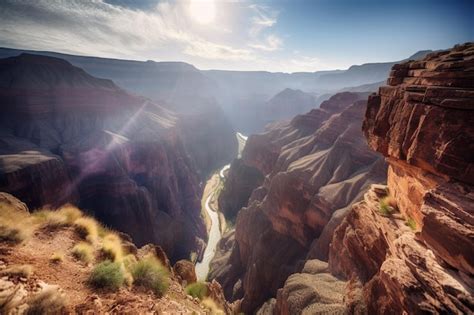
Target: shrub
(197,290)
(70,214)
(15,226)
(87,228)
(56,258)
(49,219)
(84,252)
(410,222)
(151,274)
(48,301)
(108,275)
(387,205)
(129,261)
(12,234)
(212,306)
(23,271)
(112,247)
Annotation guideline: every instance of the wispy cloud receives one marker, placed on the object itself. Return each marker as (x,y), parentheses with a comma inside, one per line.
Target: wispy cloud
(161,31)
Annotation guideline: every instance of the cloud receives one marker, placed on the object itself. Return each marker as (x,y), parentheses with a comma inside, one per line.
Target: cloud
(264,17)
(269,43)
(161,31)
(99,28)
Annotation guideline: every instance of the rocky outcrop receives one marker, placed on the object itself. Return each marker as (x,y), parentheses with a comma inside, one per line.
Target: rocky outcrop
(70,137)
(315,167)
(419,258)
(240,181)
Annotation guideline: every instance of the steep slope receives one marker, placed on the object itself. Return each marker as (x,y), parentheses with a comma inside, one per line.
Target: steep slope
(314,168)
(68,136)
(408,248)
(177,86)
(423,121)
(61,262)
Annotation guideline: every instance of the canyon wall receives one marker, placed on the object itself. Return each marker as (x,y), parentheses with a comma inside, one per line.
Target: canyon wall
(416,257)
(69,137)
(314,166)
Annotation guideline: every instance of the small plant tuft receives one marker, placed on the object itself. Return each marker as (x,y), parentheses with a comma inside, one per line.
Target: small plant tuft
(56,258)
(22,271)
(387,205)
(197,290)
(83,251)
(212,306)
(112,247)
(108,275)
(70,213)
(151,274)
(48,301)
(87,228)
(411,223)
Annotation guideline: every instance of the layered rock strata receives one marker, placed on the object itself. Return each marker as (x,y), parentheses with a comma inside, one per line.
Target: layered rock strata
(69,137)
(314,166)
(418,259)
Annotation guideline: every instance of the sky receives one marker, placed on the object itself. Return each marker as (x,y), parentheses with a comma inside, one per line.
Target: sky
(277,36)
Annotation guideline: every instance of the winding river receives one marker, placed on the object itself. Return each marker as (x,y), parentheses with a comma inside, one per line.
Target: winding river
(202,267)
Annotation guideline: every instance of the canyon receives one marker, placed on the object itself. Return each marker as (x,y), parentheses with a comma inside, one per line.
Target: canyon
(349,201)
(70,137)
(320,232)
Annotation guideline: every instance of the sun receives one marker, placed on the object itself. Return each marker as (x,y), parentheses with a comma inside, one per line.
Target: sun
(203,11)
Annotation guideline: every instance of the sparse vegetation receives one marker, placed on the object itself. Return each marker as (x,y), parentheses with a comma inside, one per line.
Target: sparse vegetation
(87,228)
(23,271)
(150,274)
(14,225)
(56,258)
(387,205)
(129,261)
(48,301)
(70,214)
(411,223)
(107,275)
(197,290)
(212,306)
(49,219)
(112,247)
(84,252)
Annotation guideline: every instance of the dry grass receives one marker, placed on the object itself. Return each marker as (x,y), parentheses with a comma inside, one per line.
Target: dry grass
(23,271)
(212,306)
(48,301)
(70,213)
(84,252)
(87,228)
(112,247)
(56,258)
(15,226)
(411,223)
(387,205)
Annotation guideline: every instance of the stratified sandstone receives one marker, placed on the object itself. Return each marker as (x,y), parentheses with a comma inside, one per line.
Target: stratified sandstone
(424,123)
(69,137)
(315,167)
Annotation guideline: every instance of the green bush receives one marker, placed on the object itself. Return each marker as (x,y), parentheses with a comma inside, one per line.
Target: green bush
(108,275)
(387,205)
(150,274)
(410,222)
(197,290)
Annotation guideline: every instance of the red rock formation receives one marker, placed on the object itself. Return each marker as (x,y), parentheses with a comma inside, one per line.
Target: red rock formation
(71,137)
(315,167)
(424,123)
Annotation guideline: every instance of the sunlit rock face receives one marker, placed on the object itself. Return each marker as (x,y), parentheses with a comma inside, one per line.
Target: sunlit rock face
(423,121)
(67,136)
(315,166)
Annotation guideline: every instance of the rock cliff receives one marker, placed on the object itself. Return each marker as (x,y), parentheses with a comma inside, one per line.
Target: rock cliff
(314,166)
(68,136)
(423,122)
